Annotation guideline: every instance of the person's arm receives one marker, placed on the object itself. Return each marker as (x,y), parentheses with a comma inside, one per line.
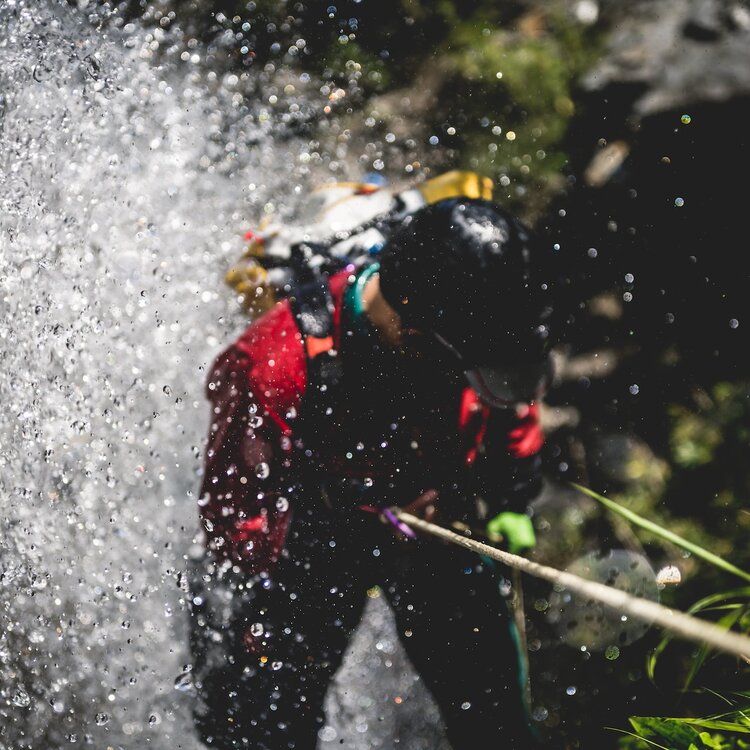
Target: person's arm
(509,473)
(241,504)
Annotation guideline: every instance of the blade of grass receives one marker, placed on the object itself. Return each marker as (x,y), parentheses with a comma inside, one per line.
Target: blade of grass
(638,737)
(669,536)
(702,605)
(721,726)
(721,596)
(725,622)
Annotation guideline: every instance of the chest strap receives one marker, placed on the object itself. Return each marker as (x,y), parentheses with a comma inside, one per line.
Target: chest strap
(313,309)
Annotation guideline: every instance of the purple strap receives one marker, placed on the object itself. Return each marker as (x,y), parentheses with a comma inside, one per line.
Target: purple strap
(392,518)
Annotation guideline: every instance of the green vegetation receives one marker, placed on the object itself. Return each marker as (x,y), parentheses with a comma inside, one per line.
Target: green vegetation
(474,85)
(707,440)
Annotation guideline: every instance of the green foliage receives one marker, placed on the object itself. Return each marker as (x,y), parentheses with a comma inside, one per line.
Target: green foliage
(512,94)
(725,731)
(505,101)
(721,422)
(736,606)
(674,733)
(709,444)
(348,63)
(665,534)
(694,438)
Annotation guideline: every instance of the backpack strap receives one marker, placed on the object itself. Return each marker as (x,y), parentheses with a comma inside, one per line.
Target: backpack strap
(456,184)
(313,309)
(472,424)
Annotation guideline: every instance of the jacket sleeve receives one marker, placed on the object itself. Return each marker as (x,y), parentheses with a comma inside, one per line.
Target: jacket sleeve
(508,470)
(242,506)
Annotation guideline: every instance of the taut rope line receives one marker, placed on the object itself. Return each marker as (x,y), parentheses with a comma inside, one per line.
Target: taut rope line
(681,624)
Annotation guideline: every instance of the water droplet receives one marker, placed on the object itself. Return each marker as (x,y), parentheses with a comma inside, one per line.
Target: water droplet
(465,706)
(327,734)
(27,269)
(276,665)
(256,629)
(571,690)
(679,202)
(21,698)
(282,504)
(184,682)
(262,470)
(685,119)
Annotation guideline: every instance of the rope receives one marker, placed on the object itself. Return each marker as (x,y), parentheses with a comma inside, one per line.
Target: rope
(681,624)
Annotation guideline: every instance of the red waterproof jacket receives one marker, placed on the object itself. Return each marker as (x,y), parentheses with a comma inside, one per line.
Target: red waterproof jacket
(257,390)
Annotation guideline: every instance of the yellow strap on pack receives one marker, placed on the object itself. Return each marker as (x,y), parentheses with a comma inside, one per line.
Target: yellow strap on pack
(456,184)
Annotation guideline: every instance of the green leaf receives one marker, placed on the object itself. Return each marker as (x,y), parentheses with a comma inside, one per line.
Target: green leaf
(678,735)
(654,528)
(721,726)
(704,604)
(637,736)
(725,622)
(713,742)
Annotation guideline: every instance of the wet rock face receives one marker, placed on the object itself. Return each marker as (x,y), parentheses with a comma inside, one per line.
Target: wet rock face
(654,215)
(679,53)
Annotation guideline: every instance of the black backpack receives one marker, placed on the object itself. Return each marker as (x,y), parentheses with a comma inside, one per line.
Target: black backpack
(343,224)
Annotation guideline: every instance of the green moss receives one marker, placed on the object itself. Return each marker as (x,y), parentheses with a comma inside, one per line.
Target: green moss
(514,92)
(349,64)
(694,440)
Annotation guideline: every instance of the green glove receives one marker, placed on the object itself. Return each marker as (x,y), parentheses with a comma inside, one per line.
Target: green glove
(515,529)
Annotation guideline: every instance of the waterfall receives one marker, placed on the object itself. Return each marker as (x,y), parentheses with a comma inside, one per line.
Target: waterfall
(130,172)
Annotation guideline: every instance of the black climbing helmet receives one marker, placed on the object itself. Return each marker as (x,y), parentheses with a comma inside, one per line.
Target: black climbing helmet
(468,274)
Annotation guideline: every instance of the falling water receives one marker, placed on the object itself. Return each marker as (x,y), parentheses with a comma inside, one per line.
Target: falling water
(129,176)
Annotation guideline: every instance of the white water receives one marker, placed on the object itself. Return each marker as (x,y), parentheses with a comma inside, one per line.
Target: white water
(127,184)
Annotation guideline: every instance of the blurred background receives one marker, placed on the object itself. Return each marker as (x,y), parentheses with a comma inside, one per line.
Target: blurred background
(140,140)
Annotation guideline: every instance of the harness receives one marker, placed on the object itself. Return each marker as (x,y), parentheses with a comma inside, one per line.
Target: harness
(313,308)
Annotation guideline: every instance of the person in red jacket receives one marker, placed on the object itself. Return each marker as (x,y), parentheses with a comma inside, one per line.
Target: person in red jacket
(411,381)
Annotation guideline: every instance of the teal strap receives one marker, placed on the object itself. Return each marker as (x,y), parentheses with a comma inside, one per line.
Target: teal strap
(358,288)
